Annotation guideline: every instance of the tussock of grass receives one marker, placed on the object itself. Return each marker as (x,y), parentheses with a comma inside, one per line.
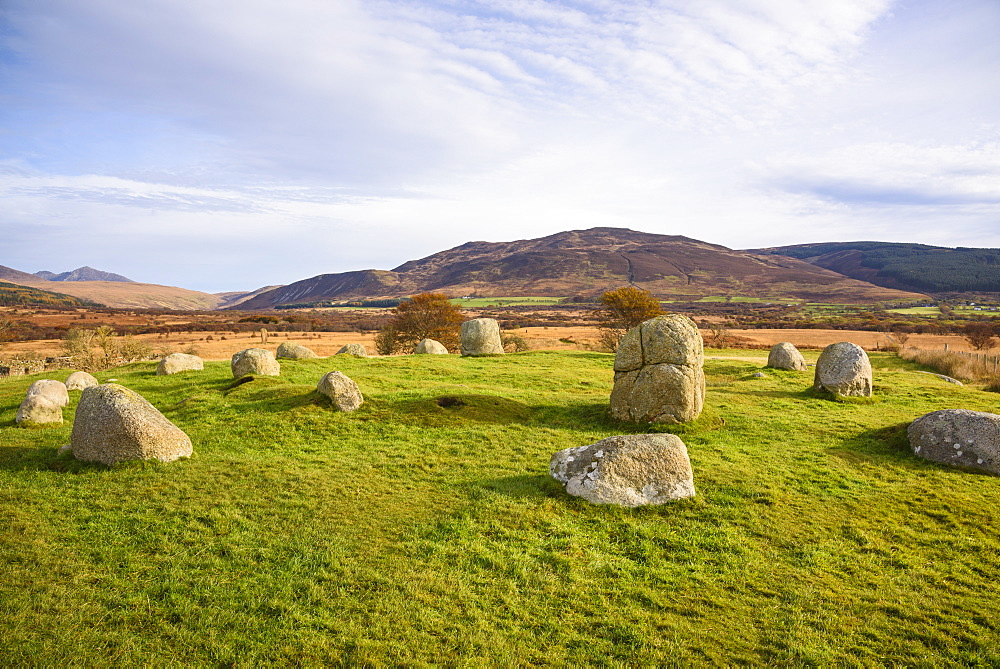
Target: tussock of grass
(411,532)
(953,364)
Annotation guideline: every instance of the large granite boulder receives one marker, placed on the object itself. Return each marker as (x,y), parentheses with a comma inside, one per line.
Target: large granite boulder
(628,470)
(294,351)
(431,347)
(80,380)
(179,362)
(658,372)
(52,390)
(844,369)
(114,424)
(786,356)
(38,410)
(342,391)
(480,337)
(958,437)
(255,361)
(354,349)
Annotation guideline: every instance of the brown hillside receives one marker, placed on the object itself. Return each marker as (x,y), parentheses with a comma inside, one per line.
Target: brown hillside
(588,262)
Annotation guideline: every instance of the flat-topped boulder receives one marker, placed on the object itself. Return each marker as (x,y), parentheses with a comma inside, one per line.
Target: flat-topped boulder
(958,437)
(844,369)
(358,350)
(295,351)
(115,424)
(627,470)
(659,376)
(176,363)
(80,380)
(342,391)
(481,337)
(256,362)
(430,347)
(786,356)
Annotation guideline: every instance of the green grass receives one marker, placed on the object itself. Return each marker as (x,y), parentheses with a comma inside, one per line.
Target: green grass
(474,302)
(917,311)
(408,533)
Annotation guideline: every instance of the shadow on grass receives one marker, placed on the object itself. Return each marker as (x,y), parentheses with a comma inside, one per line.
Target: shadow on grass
(18,459)
(442,409)
(521,486)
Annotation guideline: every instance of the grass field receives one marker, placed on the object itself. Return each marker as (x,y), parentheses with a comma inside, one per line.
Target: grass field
(410,533)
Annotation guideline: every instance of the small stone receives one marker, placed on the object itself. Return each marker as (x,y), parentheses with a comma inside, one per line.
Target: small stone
(80,380)
(430,347)
(358,350)
(342,391)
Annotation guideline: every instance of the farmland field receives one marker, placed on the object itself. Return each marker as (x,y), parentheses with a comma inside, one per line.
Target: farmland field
(414,533)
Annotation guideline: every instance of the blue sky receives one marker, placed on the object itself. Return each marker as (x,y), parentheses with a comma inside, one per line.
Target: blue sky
(229,144)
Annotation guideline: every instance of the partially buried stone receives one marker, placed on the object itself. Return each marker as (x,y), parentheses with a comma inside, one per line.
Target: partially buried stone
(358,350)
(114,424)
(256,361)
(295,351)
(38,410)
(958,437)
(342,391)
(844,369)
(627,470)
(179,362)
(431,347)
(80,380)
(786,356)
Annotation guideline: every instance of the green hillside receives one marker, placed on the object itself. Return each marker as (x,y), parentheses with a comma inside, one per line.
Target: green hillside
(422,532)
(13,295)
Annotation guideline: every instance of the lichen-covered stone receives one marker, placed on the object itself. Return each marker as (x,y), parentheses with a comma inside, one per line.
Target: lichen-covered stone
(958,437)
(844,369)
(481,337)
(115,424)
(342,391)
(627,470)
(80,380)
(786,356)
(431,347)
(659,376)
(294,351)
(255,361)
(179,362)
(354,349)
(38,410)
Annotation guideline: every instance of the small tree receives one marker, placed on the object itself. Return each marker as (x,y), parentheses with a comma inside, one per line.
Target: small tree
(102,348)
(980,336)
(624,308)
(423,316)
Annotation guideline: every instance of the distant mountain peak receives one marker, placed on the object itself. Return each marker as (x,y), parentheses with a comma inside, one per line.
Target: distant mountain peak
(83,274)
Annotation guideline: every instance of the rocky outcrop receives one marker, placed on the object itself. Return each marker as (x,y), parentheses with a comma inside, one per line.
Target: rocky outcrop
(627,470)
(431,347)
(658,372)
(786,356)
(844,369)
(295,351)
(358,350)
(342,391)
(179,362)
(255,361)
(481,337)
(114,424)
(958,437)
(80,380)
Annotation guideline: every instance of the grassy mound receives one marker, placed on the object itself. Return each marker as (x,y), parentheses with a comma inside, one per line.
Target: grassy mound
(424,528)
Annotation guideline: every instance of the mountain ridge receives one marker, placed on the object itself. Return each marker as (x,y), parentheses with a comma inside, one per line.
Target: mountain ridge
(84,273)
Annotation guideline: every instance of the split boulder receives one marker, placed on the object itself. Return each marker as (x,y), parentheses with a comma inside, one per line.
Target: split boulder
(354,349)
(786,356)
(844,369)
(342,391)
(295,351)
(80,380)
(114,424)
(430,346)
(481,337)
(627,470)
(958,437)
(255,361)
(179,362)
(659,375)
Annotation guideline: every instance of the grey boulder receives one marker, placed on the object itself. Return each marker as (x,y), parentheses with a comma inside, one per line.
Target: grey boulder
(627,470)
(80,380)
(256,361)
(342,391)
(295,351)
(481,337)
(54,391)
(114,424)
(786,356)
(354,349)
(38,410)
(844,369)
(431,347)
(179,362)
(958,437)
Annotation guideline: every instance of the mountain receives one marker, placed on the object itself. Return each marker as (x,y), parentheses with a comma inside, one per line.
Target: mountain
(917,267)
(587,263)
(82,274)
(14,295)
(232,299)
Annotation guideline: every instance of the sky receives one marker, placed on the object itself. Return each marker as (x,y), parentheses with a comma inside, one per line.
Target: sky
(225,145)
